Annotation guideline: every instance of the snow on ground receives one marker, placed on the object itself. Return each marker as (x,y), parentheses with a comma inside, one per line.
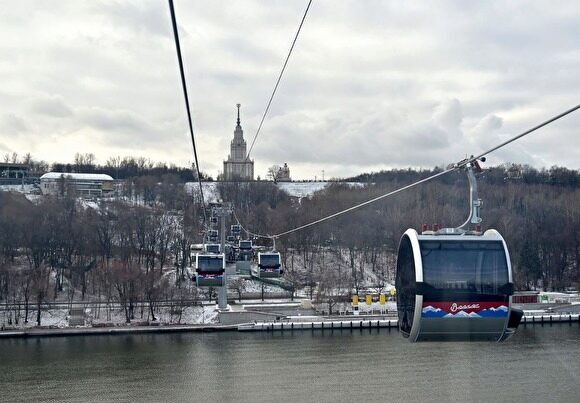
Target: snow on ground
(85,204)
(52,318)
(302,189)
(205,314)
(210,190)
(35,199)
(18,188)
(307,189)
(253,286)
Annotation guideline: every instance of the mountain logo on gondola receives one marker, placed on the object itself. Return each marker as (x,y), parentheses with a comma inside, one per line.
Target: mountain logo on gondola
(462,314)
(500,311)
(431,312)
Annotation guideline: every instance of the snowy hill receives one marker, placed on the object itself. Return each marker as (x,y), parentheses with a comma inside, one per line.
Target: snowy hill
(294,189)
(302,189)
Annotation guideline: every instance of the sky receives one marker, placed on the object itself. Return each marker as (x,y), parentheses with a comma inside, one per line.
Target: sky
(370,85)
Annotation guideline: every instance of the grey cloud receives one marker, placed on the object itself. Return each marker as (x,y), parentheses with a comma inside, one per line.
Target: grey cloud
(13,124)
(367,139)
(4,148)
(143,16)
(127,129)
(51,106)
(448,115)
(370,84)
(255,52)
(485,135)
(115,121)
(489,124)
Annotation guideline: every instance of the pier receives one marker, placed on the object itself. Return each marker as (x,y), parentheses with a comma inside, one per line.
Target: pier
(381,323)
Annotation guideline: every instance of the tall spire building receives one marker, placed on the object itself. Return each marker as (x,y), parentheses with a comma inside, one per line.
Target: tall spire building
(238,166)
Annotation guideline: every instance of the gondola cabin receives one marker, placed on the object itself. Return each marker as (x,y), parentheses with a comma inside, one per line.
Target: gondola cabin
(245,245)
(455,287)
(209,270)
(245,250)
(213,248)
(236,229)
(269,264)
(212,235)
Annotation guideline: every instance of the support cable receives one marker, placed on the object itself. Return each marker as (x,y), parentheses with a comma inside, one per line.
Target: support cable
(189,119)
(505,143)
(450,168)
(279,78)
(249,232)
(357,206)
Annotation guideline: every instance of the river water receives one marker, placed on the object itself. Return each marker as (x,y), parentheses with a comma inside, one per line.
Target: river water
(539,363)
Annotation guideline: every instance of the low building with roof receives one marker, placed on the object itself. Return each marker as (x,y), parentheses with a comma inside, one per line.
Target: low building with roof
(12,170)
(81,184)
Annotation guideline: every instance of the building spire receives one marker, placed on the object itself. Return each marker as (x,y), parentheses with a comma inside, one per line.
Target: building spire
(238,105)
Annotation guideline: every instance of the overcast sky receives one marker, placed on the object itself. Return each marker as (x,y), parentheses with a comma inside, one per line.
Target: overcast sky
(371,84)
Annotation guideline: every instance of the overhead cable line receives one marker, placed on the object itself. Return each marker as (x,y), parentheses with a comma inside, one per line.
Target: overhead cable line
(249,232)
(189,119)
(449,169)
(505,143)
(357,206)
(279,78)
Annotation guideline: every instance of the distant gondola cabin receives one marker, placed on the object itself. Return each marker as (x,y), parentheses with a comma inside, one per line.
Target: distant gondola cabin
(210,270)
(269,264)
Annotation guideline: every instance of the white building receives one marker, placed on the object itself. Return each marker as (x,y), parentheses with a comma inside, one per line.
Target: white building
(283,174)
(86,185)
(238,166)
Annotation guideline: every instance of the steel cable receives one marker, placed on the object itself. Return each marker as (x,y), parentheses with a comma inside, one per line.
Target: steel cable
(451,168)
(278,81)
(189,119)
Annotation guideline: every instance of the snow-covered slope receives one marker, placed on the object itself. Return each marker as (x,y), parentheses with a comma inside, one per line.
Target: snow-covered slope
(294,189)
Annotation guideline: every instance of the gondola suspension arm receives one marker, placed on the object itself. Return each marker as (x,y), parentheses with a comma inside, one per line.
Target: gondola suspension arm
(474,200)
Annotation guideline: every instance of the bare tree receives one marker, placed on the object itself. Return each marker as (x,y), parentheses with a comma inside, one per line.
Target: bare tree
(239,285)
(273,172)
(40,288)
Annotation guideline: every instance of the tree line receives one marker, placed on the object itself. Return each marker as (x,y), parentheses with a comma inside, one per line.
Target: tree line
(137,249)
(508,172)
(128,167)
(59,248)
(540,222)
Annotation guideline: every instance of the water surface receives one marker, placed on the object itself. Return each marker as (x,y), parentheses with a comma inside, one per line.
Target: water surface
(538,363)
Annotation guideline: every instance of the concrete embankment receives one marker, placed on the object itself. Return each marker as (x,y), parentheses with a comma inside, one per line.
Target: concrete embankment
(381,323)
(322,324)
(86,331)
(550,318)
(326,324)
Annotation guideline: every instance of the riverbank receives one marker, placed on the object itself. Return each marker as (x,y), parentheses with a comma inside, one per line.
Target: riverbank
(87,331)
(320,323)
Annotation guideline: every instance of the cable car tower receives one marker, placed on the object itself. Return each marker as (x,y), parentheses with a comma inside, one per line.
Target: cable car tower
(210,266)
(456,283)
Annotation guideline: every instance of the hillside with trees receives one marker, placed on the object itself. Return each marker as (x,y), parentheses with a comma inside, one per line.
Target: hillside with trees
(540,220)
(127,251)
